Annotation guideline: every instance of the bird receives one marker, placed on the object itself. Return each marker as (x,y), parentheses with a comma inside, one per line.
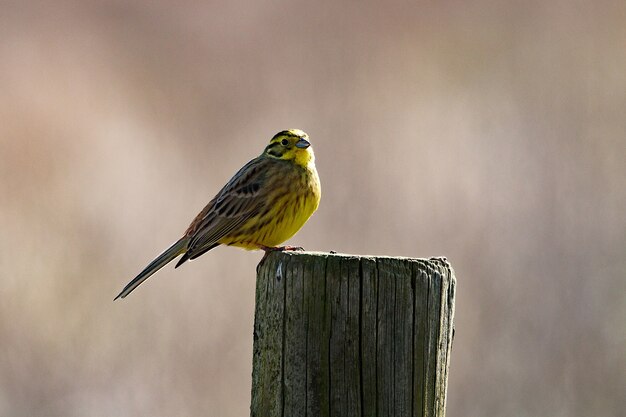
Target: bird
(265,203)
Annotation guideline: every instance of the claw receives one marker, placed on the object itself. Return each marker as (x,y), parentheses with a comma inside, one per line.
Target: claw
(292,248)
(268,249)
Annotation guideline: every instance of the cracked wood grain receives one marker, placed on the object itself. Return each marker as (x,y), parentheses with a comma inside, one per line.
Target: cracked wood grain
(343,335)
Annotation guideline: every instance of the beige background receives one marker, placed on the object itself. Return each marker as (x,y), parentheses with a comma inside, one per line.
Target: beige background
(493,133)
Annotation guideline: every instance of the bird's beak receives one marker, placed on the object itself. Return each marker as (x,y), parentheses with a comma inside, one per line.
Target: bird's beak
(303,144)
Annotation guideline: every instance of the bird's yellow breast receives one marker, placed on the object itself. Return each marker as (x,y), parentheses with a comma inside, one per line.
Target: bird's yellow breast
(286,214)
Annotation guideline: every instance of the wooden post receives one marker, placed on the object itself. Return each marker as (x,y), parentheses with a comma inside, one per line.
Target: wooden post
(342,335)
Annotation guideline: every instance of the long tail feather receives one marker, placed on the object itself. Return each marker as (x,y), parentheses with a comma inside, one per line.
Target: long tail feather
(161,260)
(187,257)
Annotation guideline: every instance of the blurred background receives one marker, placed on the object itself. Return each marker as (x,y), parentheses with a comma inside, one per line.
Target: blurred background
(492,133)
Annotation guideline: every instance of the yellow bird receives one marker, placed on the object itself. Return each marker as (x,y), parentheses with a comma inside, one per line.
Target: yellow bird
(265,203)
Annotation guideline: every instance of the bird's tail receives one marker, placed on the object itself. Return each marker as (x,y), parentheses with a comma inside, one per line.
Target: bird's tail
(161,260)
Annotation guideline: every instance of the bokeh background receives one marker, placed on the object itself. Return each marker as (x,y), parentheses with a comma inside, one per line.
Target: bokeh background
(492,133)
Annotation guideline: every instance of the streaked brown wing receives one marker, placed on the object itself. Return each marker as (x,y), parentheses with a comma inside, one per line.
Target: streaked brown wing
(240,199)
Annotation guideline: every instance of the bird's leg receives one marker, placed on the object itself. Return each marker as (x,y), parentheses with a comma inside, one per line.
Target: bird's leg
(294,248)
(269,249)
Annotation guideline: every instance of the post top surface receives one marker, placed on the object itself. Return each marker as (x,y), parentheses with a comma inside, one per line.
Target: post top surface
(440,262)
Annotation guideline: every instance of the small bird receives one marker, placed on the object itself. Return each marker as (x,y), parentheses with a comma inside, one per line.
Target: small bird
(265,203)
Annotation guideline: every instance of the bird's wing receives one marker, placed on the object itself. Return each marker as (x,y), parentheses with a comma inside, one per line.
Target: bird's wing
(242,198)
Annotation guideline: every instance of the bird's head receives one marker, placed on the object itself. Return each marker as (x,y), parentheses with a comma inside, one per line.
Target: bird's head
(291,145)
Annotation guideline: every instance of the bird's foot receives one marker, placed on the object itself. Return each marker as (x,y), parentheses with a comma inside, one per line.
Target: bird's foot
(291,248)
(269,249)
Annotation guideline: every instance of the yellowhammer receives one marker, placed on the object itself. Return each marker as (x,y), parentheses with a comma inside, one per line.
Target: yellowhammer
(265,203)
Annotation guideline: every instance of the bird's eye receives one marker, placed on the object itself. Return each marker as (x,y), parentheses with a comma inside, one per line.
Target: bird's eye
(284,142)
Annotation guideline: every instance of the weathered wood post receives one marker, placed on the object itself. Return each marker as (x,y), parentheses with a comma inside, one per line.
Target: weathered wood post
(341,335)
